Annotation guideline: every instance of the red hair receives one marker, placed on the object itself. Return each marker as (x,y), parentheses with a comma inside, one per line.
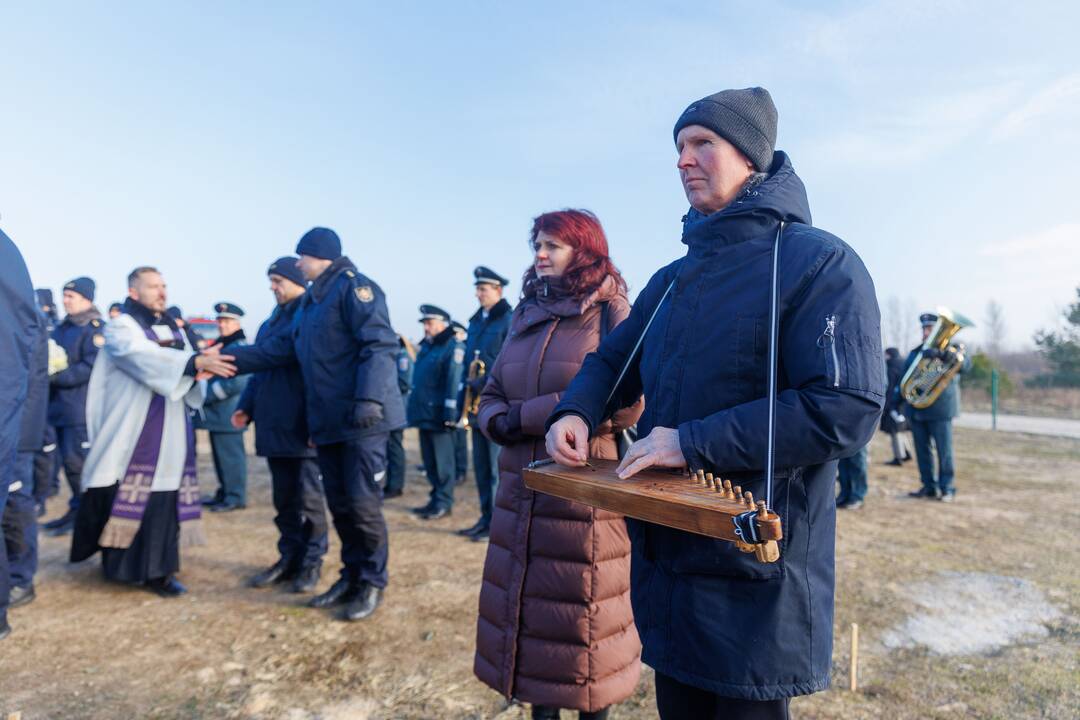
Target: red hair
(591,264)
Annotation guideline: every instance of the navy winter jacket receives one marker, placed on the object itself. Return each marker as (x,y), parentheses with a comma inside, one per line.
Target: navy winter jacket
(346,349)
(81,336)
(35,410)
(709,615)
(486,338)
(18,331)
(223,394)
(274,399)
(436,377)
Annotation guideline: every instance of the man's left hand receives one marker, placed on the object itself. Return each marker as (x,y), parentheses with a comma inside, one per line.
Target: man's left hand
(660,449)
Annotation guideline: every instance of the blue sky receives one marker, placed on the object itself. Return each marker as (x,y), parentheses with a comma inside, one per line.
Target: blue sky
(937,138)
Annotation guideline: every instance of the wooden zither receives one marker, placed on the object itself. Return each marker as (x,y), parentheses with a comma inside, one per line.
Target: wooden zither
(695,502)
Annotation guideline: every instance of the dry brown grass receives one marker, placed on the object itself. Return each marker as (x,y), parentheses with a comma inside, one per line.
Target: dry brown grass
(88,650)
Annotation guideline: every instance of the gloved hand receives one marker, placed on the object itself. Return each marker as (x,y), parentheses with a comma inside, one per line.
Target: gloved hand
(366,413)
(932,353)
(505,428)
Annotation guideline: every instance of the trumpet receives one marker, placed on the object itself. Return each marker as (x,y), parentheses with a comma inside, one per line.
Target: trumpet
(471,404)
(931,373)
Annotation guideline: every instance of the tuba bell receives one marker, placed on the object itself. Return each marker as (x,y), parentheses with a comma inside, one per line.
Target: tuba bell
(928,376)
(471,404)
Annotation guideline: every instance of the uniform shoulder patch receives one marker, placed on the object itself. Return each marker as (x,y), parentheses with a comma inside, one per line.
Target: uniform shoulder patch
(350,273)
(99,340)
(364,293)
(95,322)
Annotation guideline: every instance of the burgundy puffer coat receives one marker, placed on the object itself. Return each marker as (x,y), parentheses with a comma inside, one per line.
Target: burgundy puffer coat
(555,625)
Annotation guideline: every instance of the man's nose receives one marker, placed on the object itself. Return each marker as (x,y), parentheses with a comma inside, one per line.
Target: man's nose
(685,160)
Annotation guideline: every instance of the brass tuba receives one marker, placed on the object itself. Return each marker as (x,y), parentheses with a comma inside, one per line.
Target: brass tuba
(471,403)
(927,377)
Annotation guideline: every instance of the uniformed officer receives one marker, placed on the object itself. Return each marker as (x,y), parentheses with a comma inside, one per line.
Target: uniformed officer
(274,399)
(933,425)
(81,336)
(222,398)
(46,462)
(395,450)
(346,348)
(461,435)
(115,310)
(433,407)
(488,328)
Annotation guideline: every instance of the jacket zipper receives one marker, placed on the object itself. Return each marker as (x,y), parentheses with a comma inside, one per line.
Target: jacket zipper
(828,337)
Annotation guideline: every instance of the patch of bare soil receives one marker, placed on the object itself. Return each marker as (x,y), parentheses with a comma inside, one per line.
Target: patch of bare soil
(86,649)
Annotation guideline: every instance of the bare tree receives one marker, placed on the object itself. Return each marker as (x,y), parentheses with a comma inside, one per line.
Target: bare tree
(893,323)
(995,329)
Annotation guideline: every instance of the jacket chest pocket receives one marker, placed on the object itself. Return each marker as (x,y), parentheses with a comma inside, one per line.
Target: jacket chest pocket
(851,359)
(751,348)
(691,554)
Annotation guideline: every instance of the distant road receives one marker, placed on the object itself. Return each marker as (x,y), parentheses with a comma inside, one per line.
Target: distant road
(1022,423)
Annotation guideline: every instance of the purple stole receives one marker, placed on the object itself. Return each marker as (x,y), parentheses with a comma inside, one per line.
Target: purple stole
(133,494)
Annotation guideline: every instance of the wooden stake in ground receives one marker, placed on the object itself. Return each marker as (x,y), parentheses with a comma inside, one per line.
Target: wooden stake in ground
(854,657)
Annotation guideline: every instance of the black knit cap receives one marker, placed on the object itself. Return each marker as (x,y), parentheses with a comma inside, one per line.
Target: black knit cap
(84,286)
(745,118)
(286,268)
(320,242)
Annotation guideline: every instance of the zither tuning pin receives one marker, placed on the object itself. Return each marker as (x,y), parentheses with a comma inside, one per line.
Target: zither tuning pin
(748,499)
(709,480)
(736,493)
(728,493)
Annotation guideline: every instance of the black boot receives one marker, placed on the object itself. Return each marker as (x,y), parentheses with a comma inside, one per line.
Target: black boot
(67,519)
(167,587)
(543,712)
(20,596)
(598,715)
(5,629)
(365,603)
(306,580)
(340,592)
(276,573)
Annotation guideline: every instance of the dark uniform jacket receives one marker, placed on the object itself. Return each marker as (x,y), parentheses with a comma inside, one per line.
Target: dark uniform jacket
(274,399)
(222,394)
(436,377)
(405,367)
(18,331)
(486,338)
(709,615)
(81,336)
(35,410)
(894,371)
(947,405)
(346,349)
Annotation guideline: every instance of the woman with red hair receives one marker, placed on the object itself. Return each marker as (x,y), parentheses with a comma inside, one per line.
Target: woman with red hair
(555,627)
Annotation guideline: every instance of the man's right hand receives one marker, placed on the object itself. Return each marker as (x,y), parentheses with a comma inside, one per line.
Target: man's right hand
(214,364)
(568,441)
(240,419)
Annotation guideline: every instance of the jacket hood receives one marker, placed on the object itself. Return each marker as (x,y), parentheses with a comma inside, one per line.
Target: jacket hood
(321,285)
(781,196)
(541,308)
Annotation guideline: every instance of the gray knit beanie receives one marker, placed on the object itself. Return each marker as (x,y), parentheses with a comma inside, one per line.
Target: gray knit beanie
(745,118)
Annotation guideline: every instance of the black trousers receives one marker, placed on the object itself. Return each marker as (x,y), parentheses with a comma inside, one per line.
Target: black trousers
(73,447)
(296,487)
(46,470)
(437,448)
(395,461)
(678,701)
(353,472)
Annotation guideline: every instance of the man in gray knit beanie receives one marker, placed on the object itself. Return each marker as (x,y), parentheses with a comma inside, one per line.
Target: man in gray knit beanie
(743,122)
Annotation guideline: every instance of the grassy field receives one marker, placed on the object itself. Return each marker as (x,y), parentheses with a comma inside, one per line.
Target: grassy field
(85,649)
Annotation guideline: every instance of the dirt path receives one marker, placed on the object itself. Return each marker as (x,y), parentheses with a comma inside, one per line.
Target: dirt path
(85,649)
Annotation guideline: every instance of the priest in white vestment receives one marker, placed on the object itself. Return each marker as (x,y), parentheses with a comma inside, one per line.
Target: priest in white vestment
(141,497)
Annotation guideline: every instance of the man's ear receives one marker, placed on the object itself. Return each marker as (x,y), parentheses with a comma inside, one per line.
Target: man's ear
(132,294)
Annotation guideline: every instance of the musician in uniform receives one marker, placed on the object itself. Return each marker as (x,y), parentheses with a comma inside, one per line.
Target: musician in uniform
(933,425)
(488,328)
(729,636)
(433,407)
(222,399)
(81,335)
